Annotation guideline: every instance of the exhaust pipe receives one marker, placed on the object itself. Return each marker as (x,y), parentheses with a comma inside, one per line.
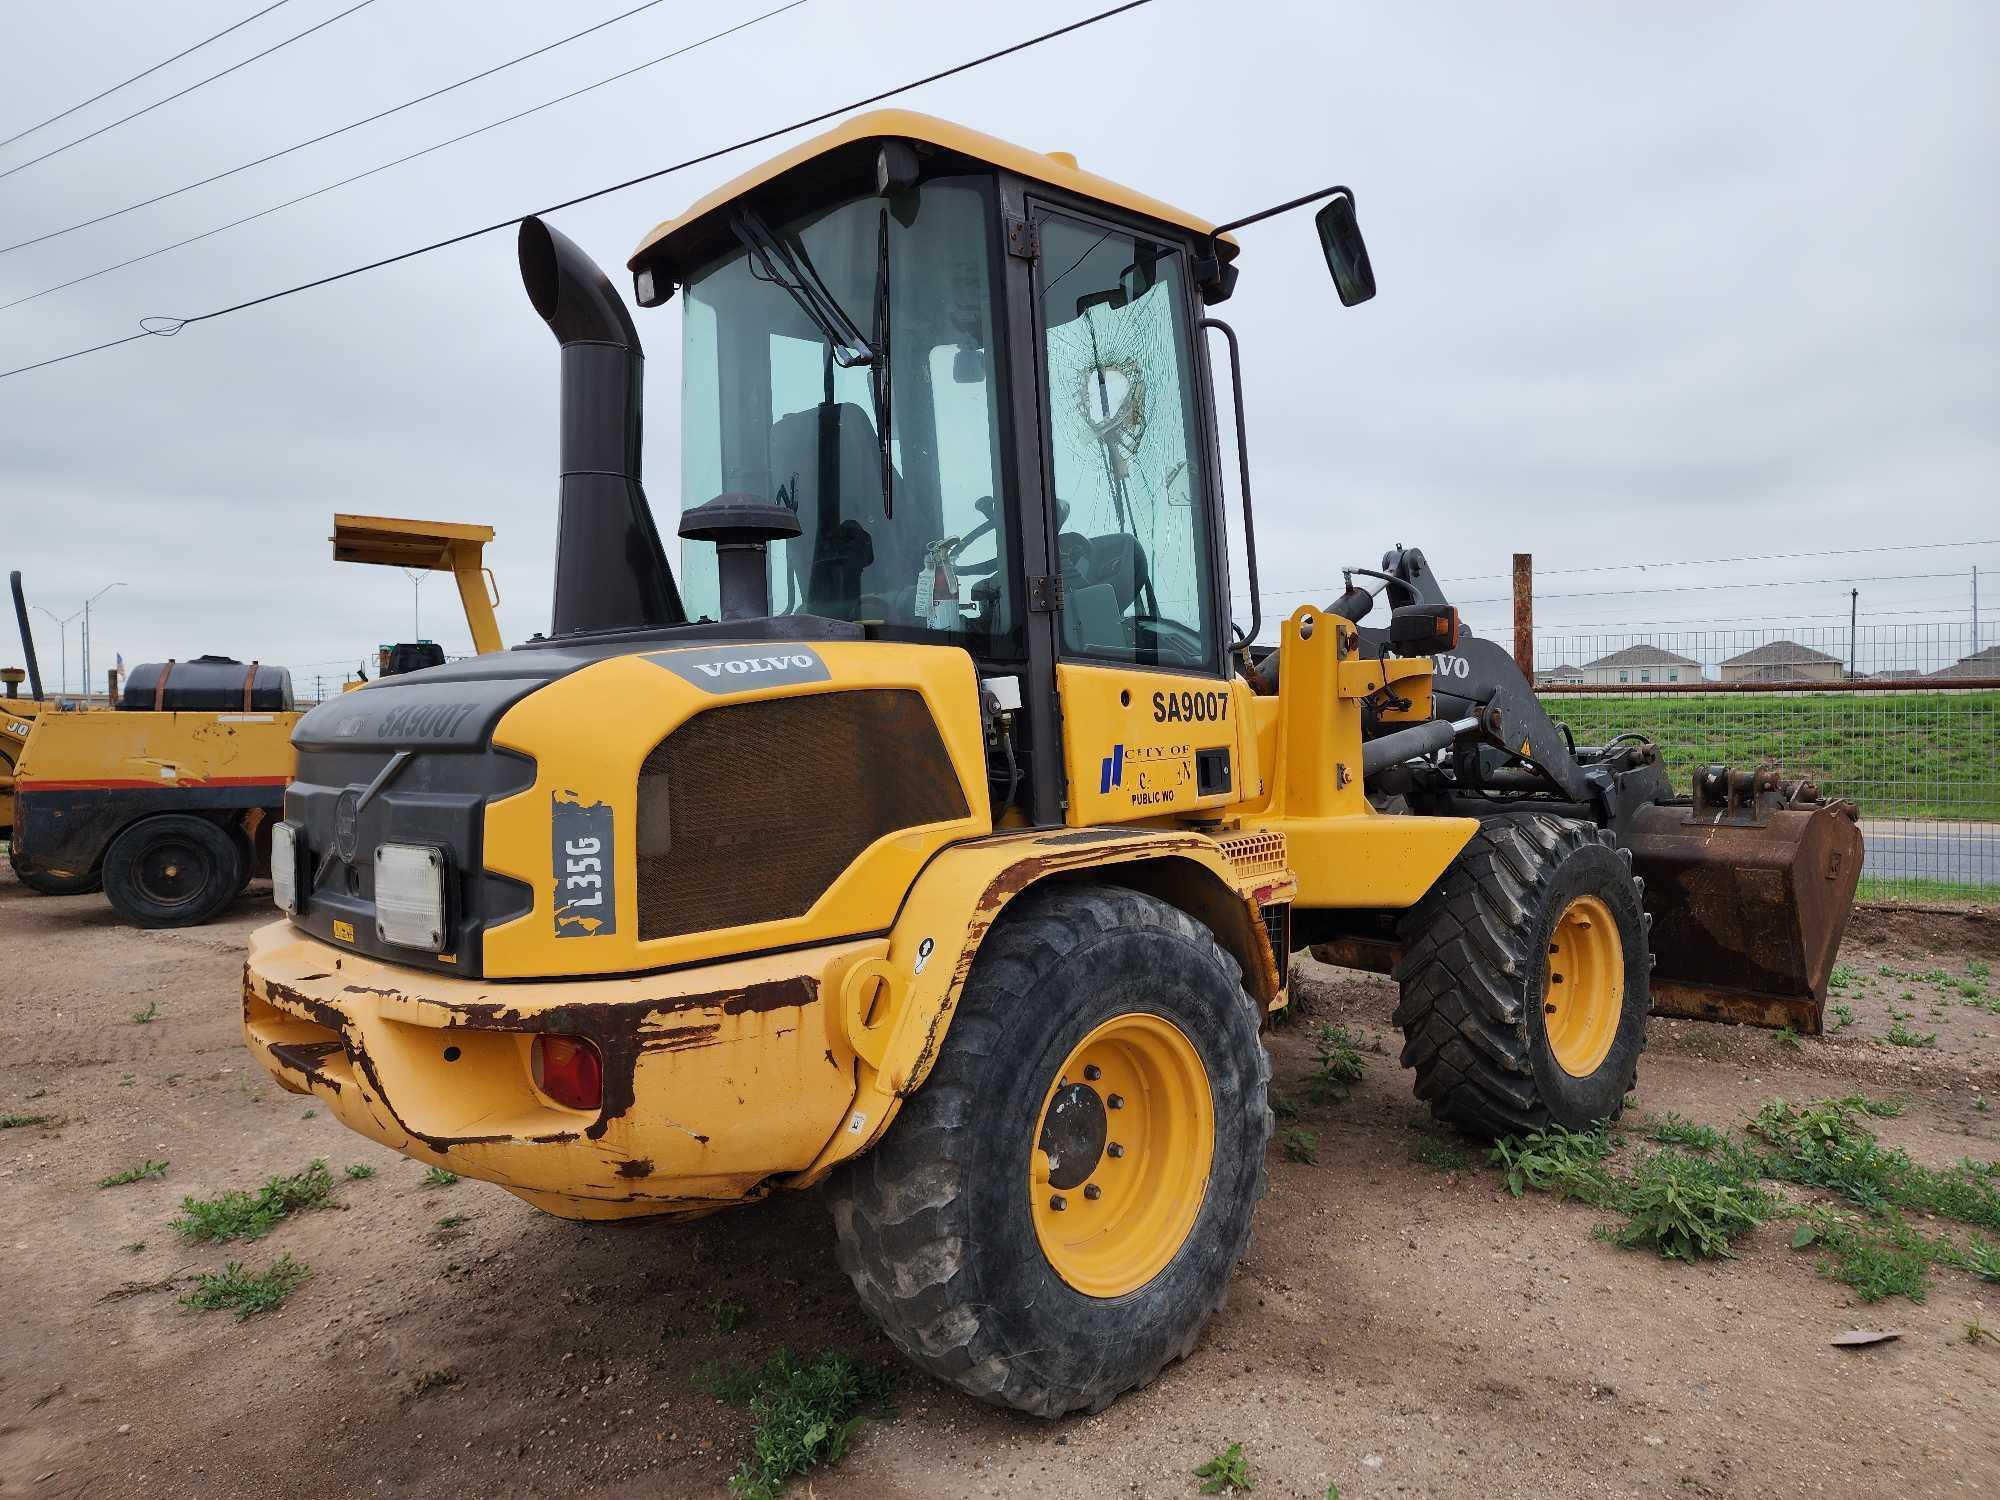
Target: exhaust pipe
(611,571)
(27,635)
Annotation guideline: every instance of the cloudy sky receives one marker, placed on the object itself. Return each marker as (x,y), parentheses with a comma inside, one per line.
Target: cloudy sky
(1659,285)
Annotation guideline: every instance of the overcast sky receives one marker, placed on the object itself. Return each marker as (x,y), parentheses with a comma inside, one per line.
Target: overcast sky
(1657,284)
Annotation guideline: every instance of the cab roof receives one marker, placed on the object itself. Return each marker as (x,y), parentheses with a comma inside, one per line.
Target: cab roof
(675,237)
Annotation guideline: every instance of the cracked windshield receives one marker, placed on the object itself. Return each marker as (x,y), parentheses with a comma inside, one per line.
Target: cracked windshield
(829,330)
(1132,539)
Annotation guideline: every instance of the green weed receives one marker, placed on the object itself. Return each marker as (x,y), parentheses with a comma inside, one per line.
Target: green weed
(1226,1473)
(1978,968)
(806,1413)
(438,1177)
(1983,1260)
(1338,1054)
(1879,1259)
(140,1173)
(1438,1154)
(1300,1144)
(244,1294)
(1843,1017)
(1567,1163)
(1671,1130)
(1900,1035)
(727,1315)
(1789,1038)
(1686,1207)
(451,1221)
(149,1014)
(23,1122)
(358,1173)
(240,1215)
(1842,976)
(1283,1105)
(1823,1145)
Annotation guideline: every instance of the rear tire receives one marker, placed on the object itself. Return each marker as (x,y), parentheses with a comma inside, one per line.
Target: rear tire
(949,1228)
(50,884)
(172,871)
(1518,1010)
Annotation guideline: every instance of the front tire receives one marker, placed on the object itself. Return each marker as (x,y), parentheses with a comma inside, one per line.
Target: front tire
(172,871)
(1054,1216)
(1525,980)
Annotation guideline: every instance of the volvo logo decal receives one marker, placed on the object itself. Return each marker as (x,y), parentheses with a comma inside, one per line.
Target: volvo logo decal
(347,825)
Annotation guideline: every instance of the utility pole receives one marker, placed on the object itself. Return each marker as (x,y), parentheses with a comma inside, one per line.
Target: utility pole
(1853,610)
(417,577)
(1975,609)
(1524,614)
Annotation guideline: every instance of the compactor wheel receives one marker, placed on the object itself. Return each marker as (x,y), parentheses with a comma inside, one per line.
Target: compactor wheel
(172,870)
(1524,980)
(1055,1214)
(48,883)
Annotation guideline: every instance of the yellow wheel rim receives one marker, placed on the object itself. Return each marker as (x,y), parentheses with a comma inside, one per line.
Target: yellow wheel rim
(1123,1145)
(1585,991)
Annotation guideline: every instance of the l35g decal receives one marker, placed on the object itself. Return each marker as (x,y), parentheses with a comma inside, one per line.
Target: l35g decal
(584,862)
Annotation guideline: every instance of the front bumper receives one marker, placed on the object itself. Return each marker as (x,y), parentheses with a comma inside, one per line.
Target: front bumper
(719,1082)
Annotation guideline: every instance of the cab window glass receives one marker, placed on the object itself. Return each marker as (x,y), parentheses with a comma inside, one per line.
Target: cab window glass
(1132,533)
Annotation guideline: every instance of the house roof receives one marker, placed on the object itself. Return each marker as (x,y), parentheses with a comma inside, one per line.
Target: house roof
(1557,671)
(1643,656)
(1980,664)
(1781,654)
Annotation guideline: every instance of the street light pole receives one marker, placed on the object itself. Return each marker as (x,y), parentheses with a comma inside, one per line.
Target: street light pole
(85,642)
(62,639)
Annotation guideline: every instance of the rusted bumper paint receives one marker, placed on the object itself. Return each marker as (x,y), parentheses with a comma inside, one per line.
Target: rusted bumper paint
(440,1070)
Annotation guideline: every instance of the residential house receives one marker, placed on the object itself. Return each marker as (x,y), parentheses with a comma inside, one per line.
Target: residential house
(1637,664)
(1783,661)
(1562,676)
(1980,664)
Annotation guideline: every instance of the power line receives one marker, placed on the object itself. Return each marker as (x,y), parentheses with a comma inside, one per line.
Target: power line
(203,83)
(401,160)
(172,326)
(185,51)
(380,114)
(1703,588)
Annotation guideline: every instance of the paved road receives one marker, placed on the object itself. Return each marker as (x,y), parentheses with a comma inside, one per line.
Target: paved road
(1913,849)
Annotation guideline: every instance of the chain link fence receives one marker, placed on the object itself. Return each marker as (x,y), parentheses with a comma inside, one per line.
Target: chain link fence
(1902,720)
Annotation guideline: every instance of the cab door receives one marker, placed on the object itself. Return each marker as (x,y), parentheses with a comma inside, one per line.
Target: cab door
(1150,721)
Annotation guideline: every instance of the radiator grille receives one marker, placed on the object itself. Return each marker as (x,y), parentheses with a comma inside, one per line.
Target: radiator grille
(1254,853)
(748,812)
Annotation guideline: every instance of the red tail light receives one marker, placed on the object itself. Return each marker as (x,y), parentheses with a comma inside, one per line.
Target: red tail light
(569,1071)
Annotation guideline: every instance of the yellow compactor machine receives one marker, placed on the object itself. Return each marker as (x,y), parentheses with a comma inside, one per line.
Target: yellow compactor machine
(937,835)
(165,803)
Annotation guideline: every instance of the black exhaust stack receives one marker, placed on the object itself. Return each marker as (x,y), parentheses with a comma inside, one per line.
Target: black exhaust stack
(611,571)
(27,635)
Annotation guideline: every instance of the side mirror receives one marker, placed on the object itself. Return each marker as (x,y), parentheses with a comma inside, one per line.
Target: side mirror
(1346,254)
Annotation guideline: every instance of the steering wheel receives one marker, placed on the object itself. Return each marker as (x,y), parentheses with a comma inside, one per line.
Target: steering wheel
(984,505)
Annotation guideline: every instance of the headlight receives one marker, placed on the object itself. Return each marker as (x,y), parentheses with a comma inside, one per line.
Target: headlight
(409,896)
(285,867)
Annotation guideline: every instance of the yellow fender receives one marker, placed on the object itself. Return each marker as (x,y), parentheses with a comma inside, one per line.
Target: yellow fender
(892,1009)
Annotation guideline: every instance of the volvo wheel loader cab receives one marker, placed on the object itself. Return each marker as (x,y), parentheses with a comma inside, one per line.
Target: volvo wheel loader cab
(167,802)
(929,836)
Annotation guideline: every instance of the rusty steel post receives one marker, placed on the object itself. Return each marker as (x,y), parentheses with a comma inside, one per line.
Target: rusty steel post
(1524,614)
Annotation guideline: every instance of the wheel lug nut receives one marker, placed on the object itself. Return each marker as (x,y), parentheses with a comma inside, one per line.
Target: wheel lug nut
(1114,1150)
(1058,1202)
(1093,1072)
(1093,1192)
(1116,1101)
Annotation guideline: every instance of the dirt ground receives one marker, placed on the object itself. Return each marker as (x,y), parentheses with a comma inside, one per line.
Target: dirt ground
(1398,1328)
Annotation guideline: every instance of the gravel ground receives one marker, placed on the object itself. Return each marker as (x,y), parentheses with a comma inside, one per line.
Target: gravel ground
(1399,1327)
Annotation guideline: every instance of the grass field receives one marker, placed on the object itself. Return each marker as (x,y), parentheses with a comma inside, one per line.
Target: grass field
(1897,755)
(1927,892)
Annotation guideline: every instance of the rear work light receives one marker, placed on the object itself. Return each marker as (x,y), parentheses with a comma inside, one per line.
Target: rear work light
(285,867)
(569,1071)
(409,896)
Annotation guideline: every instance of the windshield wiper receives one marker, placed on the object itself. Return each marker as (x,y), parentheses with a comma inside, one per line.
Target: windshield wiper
(880,343)
(801,281)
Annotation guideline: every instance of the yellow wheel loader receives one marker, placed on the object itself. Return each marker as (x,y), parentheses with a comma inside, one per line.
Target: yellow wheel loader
(166,803)
(936,835)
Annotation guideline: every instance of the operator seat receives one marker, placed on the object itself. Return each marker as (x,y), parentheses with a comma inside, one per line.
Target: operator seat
(847,550)
(1102,577)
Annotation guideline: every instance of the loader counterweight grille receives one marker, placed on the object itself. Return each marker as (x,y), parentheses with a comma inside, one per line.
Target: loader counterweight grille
(748,812)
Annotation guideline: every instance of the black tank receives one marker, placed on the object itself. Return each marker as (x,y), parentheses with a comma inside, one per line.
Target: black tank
(208,683)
